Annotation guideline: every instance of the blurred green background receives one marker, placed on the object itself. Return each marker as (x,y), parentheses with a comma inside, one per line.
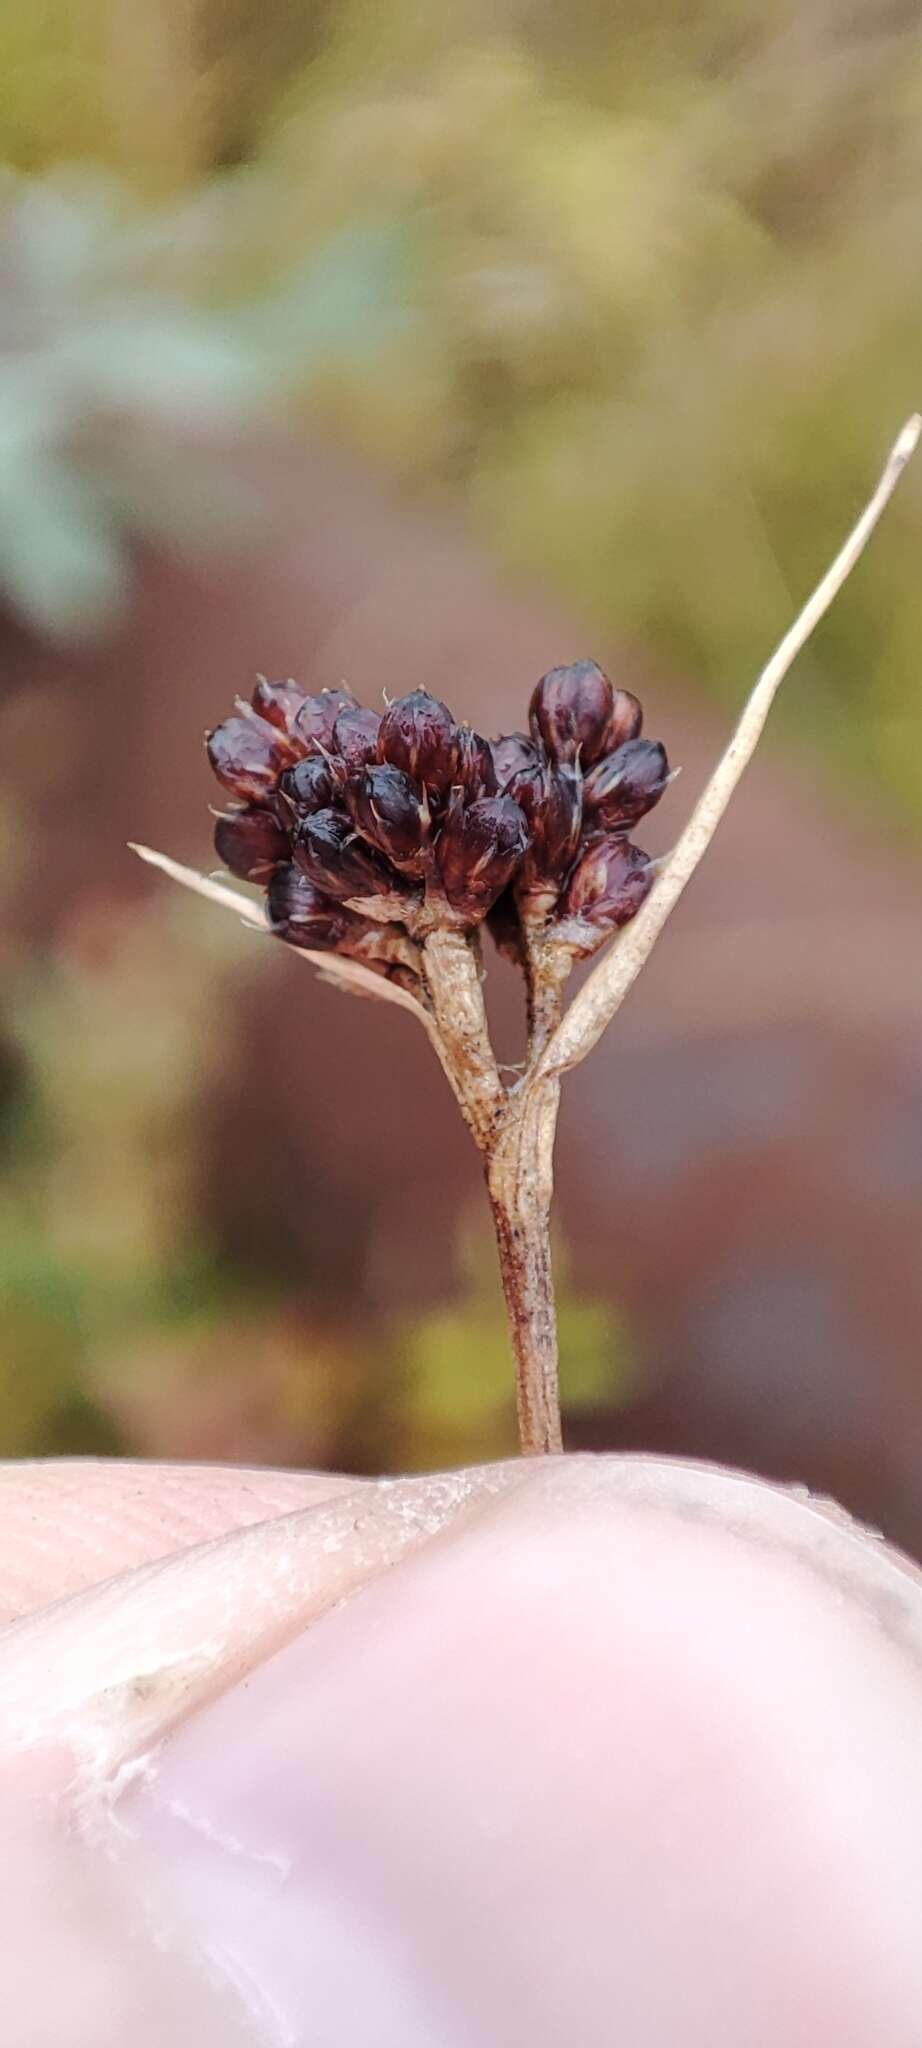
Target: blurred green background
(630,296)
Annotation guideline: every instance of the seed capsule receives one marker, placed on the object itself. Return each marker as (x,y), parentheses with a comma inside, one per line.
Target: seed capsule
(625,722)
(329,851)
(389,810)
(279,702)
(311,786)
(355,737)
(552,802)
(570,711)
(317,717)
(250,842)
(627,784)
(512,752)
(299,912)
(609,883)
(479,849)
(418,734)
(248,755)
(476,769)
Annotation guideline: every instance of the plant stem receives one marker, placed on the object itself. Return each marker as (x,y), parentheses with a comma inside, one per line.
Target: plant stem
(452,977)
(514,1131)
(547,969)
(519,1179)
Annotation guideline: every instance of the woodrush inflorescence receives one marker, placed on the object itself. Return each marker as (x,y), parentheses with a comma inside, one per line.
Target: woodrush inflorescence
(385,840)
(371,830)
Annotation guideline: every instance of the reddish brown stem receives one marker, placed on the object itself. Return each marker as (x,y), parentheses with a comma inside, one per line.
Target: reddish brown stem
(519,1182)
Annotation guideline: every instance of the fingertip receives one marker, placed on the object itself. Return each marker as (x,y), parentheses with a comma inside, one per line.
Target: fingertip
(632,1736)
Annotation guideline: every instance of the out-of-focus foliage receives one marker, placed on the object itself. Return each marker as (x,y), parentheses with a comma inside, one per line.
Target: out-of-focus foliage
(671,317)
(121,386)
(119,1322)
(97,1246)
(664,312)
(633,286)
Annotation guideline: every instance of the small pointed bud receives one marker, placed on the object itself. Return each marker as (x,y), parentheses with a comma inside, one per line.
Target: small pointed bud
(608,883)
(300,913)
(626,721)
(330,853)
(570,712)
(626,785)
(563,818)
(479,848)
(418,734)
(389,810)
(528,788)
(476,770)
(310,786)
(248,755)
(552,801)
(317,717)
(251,842)
(355,737)
(512,752)
(279,702)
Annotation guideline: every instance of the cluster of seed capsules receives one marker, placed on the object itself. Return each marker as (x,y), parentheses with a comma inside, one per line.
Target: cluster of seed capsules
(369,830)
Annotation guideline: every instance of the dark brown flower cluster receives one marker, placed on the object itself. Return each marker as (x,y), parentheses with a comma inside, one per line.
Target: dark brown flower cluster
(370,829)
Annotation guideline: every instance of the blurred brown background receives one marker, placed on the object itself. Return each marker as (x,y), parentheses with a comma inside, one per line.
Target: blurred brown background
(437,347)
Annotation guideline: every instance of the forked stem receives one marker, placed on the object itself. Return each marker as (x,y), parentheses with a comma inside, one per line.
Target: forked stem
(514,1131)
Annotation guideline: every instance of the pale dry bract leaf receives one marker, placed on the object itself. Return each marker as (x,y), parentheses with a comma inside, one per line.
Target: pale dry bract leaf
(608,984)
(203,885)
(356,980)
(347,975)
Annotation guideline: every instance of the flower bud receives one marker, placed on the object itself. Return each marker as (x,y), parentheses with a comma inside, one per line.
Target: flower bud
(625,722)
(299,912)
(330,853)
(476,770)
(389,810)
(355,737)
(627,784)
(418,734)
(248,755)
(250,842)
(479,849)
(551,799)
(511,752)
(570,711)
(608,883)
(311,785)
(279,702)
(317,717)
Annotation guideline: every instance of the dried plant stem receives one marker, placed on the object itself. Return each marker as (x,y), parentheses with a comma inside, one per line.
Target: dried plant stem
(452,975)
(520,1182)
(547,969)
(553,967)
(514,1131)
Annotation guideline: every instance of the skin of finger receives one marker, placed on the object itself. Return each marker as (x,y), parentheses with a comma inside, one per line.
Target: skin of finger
(91,1682)
(103,1675)
(80,1965)
(68,1523)
(526,1584)
(630,1741)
